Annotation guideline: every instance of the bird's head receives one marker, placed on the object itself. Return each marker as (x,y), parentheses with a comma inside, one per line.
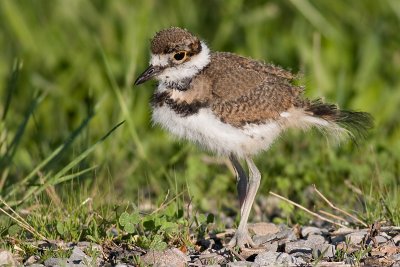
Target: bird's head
(176,54)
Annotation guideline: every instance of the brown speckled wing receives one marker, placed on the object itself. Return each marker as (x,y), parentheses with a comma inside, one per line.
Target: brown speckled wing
(247,91)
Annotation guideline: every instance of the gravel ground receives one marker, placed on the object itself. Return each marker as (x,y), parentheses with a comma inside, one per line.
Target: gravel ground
(278,245)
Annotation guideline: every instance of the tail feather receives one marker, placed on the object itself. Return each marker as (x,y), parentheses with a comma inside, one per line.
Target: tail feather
(354,122)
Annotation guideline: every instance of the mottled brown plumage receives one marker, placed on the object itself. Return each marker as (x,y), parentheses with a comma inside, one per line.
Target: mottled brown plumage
(240,90)
(247,91)
(174,39)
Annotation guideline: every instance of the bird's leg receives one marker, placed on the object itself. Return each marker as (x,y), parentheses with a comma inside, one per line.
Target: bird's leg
(241,180)
(241,237)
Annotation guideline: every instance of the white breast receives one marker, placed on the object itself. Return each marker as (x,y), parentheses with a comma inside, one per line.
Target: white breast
(207,130)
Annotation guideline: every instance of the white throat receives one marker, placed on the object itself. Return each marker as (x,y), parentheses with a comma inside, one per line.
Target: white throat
(183,71)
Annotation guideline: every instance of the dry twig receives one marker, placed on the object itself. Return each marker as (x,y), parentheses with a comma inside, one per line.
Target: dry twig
(307,210)
(21,221)
(336,217)
(338,209)
(165,203)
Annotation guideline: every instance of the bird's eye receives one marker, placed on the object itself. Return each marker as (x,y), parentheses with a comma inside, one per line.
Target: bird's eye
(180,56)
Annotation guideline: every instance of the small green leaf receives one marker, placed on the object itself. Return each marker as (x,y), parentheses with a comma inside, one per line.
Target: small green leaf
(129,228)
(60,228)
(149,224)
(158,221)
(14,230)
(158,243)
(134,218)
(124,218)
(169,226)
(170,211)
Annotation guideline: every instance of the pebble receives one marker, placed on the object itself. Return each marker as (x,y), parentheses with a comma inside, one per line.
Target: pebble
(356,237)
(169,257)
(298,246)
(7,259)
(396,240)
(269,258)
(56,262)
(380,239)
(248,252)
(396,257)
(284,235)
(240,264)
(31,260)
(90,246)
(312,230)
(326,250)
(263,228)
(316,240)
(338,239)
(78,256)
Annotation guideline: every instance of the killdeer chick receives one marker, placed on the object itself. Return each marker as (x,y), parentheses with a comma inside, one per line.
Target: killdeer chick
(233,106)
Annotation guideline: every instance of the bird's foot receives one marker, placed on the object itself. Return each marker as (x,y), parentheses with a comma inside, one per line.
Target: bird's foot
(241,240)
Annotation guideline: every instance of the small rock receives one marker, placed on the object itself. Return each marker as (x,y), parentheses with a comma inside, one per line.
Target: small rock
(380,239)
(240,264)
(48,244)
(395,257)
(338,239)
(169,257)
(348,248)
(396,240)
(78,256)
(212,256)
(271,246)
(334,264)
(389,249)
(261,240)
(263,228)
(283,235)
(7,259)
(55,262)
(300,246)
(356,237)
(342,231)
(31,260)
(292,236)
(247,252)
(311,230)
(315,240)
(275,258)
(89,245)
(326,251)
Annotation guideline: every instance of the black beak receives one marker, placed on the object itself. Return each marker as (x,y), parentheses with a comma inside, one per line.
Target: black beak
(149,73)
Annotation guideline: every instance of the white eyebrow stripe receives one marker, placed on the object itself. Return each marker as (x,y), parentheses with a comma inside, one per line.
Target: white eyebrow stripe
(159,60)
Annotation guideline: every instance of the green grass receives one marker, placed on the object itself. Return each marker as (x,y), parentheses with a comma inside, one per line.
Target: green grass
(67,73)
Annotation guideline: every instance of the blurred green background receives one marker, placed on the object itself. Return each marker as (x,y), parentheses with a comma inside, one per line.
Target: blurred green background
(67,70)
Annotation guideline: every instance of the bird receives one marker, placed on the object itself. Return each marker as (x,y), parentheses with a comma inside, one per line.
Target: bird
(235,107)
